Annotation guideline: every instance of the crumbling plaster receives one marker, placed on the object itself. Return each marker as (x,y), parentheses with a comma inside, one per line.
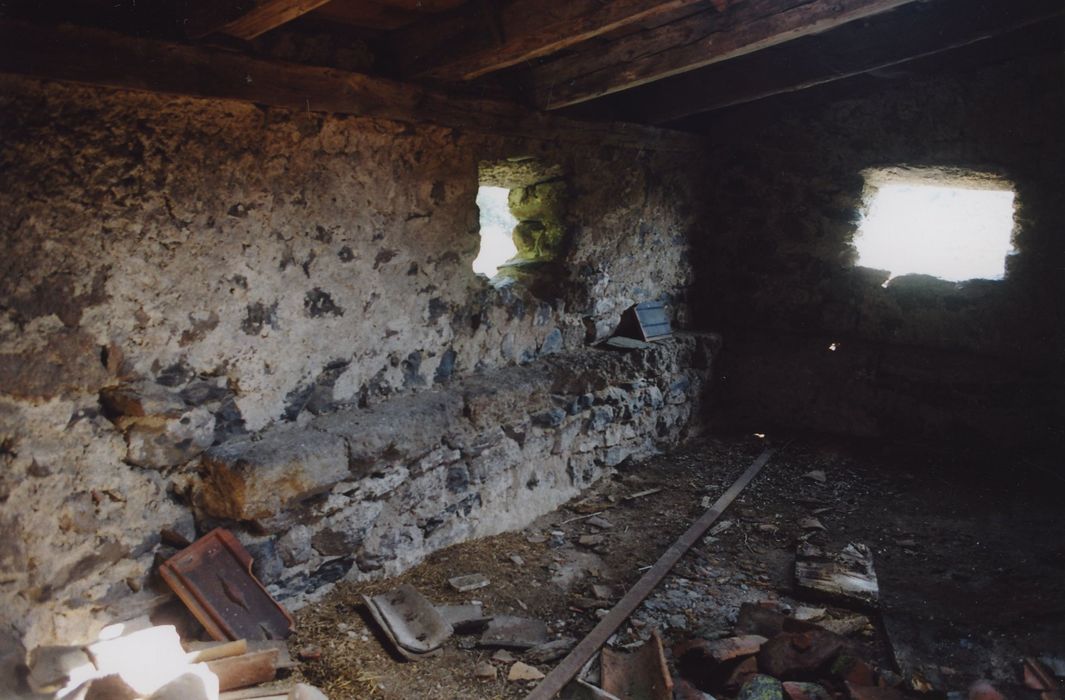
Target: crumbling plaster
(264,266)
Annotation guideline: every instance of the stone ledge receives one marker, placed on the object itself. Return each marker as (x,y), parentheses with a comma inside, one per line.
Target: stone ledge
(486,454)
(257,477)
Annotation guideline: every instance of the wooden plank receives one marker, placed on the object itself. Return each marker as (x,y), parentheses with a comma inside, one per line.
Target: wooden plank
(586,649)
(365,13)
(247,669)
(381,14)
(694,42)
(430,6)
(212,651)
(895,38)
(460,48)
(98,57)
(246,20)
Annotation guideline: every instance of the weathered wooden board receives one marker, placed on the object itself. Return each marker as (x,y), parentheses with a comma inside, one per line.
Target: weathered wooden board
(460,47)
(242,19)
(693,42)
(98,57)
(889,40)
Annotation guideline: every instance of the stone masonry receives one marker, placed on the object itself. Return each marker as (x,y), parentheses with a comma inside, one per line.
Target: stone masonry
(181,275)
(366,492)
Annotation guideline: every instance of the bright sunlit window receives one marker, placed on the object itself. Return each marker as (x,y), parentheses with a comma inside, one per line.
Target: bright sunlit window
(497,228)
(955,233)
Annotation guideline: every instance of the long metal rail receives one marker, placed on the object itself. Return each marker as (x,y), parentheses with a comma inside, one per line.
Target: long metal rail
(572,664)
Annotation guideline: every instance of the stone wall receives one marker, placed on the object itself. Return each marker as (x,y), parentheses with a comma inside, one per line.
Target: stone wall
(365,492)
(180,273)
(921,358)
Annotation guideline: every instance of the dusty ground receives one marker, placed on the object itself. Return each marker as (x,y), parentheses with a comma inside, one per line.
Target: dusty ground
(971,565)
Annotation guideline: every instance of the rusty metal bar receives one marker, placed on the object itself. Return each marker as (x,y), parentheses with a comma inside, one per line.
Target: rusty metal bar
(572,664)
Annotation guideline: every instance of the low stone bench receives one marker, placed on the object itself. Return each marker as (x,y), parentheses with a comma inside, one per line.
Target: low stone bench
(371,491)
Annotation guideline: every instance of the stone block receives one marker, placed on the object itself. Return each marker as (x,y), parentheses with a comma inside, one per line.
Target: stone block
(552,343)
(53,667)
(294,547)
(172,441)
(550,418)
(249,479)
(498,397)
(403,428)
(602,416)
(141,399)
(68,361)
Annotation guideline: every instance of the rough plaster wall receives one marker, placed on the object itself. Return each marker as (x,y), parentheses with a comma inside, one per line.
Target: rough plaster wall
(786,194)
(268,265)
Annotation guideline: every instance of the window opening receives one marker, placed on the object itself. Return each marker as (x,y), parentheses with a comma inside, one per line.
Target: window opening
(497,230)
(955,229)
(522,204)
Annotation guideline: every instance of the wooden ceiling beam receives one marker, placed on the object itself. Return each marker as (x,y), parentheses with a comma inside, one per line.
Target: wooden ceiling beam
(485,37)
(245,19)
(694,42)
(104,58)
(886,41)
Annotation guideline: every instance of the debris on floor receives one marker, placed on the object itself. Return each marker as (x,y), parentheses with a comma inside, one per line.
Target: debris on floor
(1038,677)
(639,675)
(521,671)
(734,620)
(152,662)
(465,619)
(136,658)
(514,633)
(469,582)
(212,574)
(846,577)
(409,621)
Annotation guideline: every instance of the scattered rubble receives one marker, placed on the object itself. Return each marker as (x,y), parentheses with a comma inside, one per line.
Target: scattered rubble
(523,672)
(469,582)
(515,633)
(550,651)
(465,619)
(409,620)
(503,656)
(485,671)
(640,674)
(847,576)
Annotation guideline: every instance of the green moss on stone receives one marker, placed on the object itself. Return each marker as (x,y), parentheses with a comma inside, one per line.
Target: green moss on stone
(540,210)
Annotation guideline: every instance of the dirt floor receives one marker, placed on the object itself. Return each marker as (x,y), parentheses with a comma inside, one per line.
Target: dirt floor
(971,566)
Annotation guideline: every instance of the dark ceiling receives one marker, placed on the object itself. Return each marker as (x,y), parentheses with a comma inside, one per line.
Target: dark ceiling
(653,62)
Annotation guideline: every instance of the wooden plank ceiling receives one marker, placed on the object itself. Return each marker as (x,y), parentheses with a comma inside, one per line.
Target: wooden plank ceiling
(645,61)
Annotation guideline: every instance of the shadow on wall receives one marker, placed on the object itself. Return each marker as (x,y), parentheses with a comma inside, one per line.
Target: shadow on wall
(919,356)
